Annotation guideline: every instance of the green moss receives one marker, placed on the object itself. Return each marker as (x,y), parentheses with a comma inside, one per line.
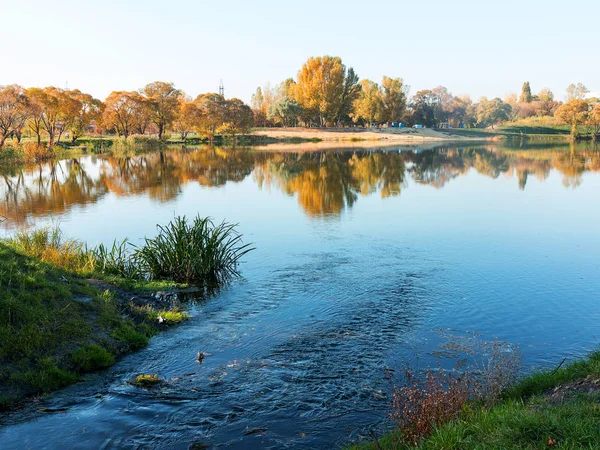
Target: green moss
(145,380)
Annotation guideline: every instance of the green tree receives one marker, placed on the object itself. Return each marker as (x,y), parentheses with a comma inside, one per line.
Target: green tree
(492,112)
(526,96)
(349,95)
(285,111)
(393,99)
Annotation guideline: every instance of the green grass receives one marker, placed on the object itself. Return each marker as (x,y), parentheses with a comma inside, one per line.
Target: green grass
(197,252)
(55,326)
(524,419)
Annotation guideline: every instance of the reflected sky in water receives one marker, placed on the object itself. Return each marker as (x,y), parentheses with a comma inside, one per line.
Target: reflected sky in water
(362,257)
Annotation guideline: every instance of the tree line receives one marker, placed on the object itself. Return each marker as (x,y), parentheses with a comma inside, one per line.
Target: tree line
(52,113)
(326,92)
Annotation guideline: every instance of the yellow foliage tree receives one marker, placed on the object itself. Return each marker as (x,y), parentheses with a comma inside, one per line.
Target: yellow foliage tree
(319,89)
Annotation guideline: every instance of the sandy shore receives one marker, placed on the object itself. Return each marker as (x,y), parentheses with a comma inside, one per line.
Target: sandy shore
(360,136)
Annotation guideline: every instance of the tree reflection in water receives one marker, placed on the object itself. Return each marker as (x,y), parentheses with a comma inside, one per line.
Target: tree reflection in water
(324,182)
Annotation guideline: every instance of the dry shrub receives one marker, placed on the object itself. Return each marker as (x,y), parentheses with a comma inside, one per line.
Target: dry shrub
(48,245)
(420,405)
(499,369)
(35,152)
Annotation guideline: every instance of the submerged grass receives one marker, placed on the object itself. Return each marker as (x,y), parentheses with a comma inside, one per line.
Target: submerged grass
(198,252)
(529,416)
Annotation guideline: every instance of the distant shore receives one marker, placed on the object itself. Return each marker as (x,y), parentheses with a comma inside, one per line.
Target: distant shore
(383,136)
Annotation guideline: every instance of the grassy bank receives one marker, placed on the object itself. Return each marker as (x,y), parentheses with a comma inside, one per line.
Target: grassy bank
(66,310)
(56,325)
(557,408)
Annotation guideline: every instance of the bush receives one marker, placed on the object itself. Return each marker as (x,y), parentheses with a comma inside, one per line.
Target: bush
(421,405)
(137,143)
(200,252)
(35,152)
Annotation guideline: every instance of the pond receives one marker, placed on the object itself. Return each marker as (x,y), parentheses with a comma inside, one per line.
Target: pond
(365,259)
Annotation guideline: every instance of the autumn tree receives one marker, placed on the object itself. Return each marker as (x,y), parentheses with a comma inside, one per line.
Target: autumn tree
(122,112)
(88,110)
(526,96)
(49,109)
(163,101)
(576,92)
(368,107)
(573,113)
(13,111)
(594,121)
(320,88)
(393,99)
(492,112)
(187,116)
(237,117)
(211,114)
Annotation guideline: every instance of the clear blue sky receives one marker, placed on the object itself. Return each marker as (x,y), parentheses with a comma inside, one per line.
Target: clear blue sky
(471,47)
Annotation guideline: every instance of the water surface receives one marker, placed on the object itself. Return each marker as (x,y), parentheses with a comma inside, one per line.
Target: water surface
(365,259)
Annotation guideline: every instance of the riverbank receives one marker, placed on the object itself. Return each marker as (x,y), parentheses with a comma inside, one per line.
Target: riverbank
(58,325)
(68,310)
(557,408)
(391,136)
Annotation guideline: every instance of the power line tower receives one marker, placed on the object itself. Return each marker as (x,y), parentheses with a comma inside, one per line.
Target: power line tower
(221,89)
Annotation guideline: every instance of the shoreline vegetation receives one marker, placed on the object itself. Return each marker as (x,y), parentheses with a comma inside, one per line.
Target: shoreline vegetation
(277,139)
(554,408)
(69,310)
(326,101)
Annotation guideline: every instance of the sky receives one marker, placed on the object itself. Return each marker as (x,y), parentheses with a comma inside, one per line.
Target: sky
(472,47)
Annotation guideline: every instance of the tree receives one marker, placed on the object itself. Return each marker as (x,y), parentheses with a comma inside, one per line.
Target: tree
(423,106)
(163,100)
(48,109)
(212,114)
(546,95)
(368,107)
(237,117)
(393,99)
(350,93)
(573,113)
(89,109)
(34,111)
(492,112)
(123,112)
(13,111)
(526,96)
(320,88)
(285,111)
(259,107)
(594,121)
(576,92)
(186,119)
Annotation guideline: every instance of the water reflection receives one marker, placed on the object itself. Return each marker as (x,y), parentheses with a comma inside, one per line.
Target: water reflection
(324,182)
